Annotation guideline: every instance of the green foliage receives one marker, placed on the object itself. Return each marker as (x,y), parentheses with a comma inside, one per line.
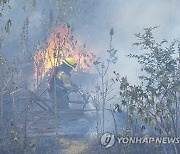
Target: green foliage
(155,102)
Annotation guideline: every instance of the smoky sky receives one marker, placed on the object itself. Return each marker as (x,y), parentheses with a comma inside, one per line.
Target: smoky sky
(127,17)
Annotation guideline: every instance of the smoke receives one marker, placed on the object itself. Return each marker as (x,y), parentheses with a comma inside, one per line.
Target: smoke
(19,12)
(93,25)
(127,18)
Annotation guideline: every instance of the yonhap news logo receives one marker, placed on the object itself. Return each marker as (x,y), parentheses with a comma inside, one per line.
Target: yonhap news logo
(148,140)
(109,139)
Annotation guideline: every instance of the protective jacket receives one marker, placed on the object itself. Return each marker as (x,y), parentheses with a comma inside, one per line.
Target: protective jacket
(62,80)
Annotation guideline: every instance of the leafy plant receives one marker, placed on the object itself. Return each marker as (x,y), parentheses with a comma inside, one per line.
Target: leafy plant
(156,101)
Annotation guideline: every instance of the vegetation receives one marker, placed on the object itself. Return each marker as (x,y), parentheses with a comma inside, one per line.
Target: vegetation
(156,101)
(103,93)
(151,108)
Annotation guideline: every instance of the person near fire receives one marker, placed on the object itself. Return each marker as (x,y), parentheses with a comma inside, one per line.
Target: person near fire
(59,85)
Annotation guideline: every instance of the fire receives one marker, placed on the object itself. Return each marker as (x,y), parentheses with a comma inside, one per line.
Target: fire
(61,45)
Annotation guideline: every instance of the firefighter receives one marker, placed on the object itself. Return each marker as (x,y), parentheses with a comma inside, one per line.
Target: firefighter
(60,82)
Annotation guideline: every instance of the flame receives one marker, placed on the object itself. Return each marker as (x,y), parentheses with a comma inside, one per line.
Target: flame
(61,45)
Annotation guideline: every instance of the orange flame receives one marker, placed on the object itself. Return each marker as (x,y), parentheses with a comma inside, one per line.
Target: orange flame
(61,45)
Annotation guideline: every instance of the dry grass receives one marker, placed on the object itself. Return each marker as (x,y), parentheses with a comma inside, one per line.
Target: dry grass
(73,146)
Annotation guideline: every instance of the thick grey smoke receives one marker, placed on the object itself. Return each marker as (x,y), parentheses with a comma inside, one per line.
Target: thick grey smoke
(18,12)
(126,17)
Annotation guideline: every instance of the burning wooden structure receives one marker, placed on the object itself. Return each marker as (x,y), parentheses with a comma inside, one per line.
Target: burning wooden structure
(40,118)
(61,45)
(25,108)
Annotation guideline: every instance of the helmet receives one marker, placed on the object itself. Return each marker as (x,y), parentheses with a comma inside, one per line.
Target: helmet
(70,62)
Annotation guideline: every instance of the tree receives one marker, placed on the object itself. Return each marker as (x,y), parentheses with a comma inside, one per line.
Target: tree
(156,101)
